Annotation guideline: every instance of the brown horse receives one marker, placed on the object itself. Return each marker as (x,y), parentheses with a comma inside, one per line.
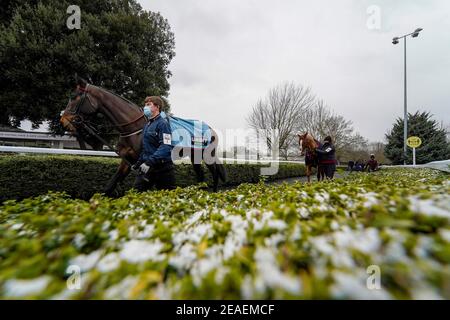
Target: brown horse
(308,146)
(129,120)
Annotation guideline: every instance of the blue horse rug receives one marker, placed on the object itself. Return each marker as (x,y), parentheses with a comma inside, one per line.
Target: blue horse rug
(188,133)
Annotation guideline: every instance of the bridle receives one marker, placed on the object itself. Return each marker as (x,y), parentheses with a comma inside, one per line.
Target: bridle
(80,123)
(79,120)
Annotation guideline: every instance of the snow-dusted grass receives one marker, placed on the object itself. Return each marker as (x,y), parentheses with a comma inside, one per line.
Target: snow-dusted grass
(254,242)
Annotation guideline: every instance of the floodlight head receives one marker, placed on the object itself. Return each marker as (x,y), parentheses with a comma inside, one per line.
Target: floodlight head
(416,32)
(395,40)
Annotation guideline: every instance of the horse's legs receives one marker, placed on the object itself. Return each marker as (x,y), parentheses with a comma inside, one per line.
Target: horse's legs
(124,169)
(308,173)
(197,165)
(199,172)
(215,174)
(119,176)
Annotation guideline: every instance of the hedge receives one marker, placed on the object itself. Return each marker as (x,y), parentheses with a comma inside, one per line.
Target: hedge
(383,235)
(24,176)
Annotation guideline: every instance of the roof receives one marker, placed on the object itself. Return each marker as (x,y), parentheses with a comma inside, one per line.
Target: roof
(6,128)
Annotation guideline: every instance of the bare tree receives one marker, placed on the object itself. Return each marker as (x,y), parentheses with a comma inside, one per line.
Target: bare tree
(355,148)
(377,148)
(320,121)
(281,111)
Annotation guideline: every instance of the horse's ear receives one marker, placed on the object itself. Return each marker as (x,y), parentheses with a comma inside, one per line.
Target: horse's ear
(81,82)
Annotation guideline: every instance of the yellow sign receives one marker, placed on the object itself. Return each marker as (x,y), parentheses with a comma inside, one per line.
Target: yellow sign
(413,142)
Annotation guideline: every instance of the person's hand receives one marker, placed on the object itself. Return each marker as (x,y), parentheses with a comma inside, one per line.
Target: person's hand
(144,168)
(136,166)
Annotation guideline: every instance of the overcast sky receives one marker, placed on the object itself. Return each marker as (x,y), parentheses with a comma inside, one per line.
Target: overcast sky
(230,53)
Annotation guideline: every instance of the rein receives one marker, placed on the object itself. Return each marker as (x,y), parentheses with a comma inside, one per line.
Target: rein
(90,128)
(86,123)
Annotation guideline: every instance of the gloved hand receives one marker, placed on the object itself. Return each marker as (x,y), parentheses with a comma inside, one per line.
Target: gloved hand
(136,166)
(144,168)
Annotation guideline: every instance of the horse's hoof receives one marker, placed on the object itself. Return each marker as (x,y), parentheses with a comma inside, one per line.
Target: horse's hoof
(111,193)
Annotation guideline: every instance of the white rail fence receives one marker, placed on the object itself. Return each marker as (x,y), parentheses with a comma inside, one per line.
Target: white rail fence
(113,154)
(438,165)
(443,165)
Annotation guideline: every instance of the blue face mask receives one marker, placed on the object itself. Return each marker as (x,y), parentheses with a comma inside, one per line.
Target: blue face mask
(147,111)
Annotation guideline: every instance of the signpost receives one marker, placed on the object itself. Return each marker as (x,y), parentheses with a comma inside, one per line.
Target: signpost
(414,142)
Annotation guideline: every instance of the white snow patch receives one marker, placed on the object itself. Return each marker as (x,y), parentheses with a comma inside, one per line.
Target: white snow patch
(16,288)
(195,217)
(271,275)
(353,286)
(86,262)
(303,212)
(366,241)
(334,225)
(431,207)
(135,251)
(17,226)
(274,240)
(423,246)
(277,224)
(109,262)
(247,288)
(184,257)
(122,289)
(445,234)
(113,235)
(369,199)
(192,234)
(79,241)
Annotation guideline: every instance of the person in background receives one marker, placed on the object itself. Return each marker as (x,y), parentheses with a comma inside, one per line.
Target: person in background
(350,165)
(359,166)
(327,157)
(372,164)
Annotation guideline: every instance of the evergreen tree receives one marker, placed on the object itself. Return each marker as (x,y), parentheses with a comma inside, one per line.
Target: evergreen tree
(119,46)
(434,143)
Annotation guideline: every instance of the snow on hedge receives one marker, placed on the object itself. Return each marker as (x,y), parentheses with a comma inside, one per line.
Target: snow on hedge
(253,242)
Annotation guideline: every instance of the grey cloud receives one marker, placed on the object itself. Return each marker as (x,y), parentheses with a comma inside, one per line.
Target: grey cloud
(230,53)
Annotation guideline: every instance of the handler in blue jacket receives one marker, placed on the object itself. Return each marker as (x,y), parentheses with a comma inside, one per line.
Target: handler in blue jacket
(155,163)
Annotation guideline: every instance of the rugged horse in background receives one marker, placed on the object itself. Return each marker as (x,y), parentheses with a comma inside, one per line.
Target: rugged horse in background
(129,120)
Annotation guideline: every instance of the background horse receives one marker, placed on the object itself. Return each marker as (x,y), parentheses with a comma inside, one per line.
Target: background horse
(129,120)
(308,146)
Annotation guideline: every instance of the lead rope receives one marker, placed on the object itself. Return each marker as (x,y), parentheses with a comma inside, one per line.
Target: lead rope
(91,131)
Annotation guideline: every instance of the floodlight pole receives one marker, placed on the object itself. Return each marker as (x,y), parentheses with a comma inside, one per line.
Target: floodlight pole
(405,116)
(405,111)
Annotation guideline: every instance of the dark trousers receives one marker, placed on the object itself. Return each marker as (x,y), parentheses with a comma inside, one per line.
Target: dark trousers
(160,180)
(329,170)
(320,172)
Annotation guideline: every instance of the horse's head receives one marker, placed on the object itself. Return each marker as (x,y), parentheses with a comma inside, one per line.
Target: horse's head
(306,142)
(81,105)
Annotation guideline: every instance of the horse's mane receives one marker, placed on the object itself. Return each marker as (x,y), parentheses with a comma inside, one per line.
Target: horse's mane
(118,96)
